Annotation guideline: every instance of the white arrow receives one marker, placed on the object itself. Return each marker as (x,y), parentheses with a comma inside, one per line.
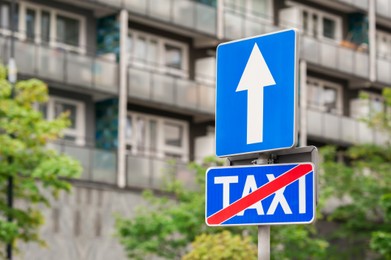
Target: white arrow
(255,77)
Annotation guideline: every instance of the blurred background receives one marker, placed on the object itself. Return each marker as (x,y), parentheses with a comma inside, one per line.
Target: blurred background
(138,80)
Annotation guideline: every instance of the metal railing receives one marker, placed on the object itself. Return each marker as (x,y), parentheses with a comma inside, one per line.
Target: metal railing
(62,66)
(334,56)
(170,90)
(342,129)
(155,173)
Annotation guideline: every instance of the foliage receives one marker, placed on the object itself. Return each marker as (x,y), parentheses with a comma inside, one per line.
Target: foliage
(362,183)
(222,246)
(170,223)
(37,172)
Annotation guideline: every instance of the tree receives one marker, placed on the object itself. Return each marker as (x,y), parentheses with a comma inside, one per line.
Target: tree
(362,183)
(24,134)
(172,222)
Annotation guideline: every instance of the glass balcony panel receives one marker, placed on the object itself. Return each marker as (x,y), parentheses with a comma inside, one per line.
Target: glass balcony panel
(82,154)
(26,57)
(139,83)
(104,166)
(184,13)
(162,172)
(187,94)
(160,9)
(328,55)
(365,133)
(138,6)
(253,28)
(332,125)
(315,125)
(138,171)
(232,26)
(205,18)
(381,138)
(382,7)
(349,130)
(310,49)
(383,70)
(106,75)
(361,3)
(51,63)
(361,62)
(207,98)
(78,69)
(186,176)
(163,88)
(345,60)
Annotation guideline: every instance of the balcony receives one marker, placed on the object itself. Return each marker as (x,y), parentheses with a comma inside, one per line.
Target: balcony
(184,13)
(98,165)
(170,90)
(62,66)
(155,173)
(334,56)
(238,24)
(341,129)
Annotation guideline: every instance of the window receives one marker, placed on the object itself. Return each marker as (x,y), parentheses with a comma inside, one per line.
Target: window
(57,28)
(55,106)
(156,53)
(157,136)
(324,96)
(317,23)
(5,17)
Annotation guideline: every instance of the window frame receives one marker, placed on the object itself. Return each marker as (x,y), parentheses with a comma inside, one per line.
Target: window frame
(160,65)
(162,148)
(79,132)
(322,84)
(320,16)
(23,6)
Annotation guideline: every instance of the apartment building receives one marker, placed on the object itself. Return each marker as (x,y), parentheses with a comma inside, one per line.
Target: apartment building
(137,77)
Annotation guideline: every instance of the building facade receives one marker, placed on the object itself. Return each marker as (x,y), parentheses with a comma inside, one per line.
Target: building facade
(137,77)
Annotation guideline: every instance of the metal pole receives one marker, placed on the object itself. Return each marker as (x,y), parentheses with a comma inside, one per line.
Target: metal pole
(123,98)
(263,231)
(372,39)
(303,103)
(12,78)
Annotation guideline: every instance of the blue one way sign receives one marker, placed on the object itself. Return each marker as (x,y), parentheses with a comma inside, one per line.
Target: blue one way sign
(256,94)
(260,195)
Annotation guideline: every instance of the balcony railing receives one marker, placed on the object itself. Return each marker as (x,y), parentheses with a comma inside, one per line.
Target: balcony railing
(184,13)
(239,25)
(62,66)
(383,7)
(155,173)
(363,4)
(334,56)
(98,165)
(342,129)
(171,90)
(383,68)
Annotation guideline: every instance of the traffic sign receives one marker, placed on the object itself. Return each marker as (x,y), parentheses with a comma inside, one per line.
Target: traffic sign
(260,195)
(256,94)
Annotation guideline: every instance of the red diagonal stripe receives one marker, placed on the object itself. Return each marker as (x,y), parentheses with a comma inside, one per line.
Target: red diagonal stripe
(259,194)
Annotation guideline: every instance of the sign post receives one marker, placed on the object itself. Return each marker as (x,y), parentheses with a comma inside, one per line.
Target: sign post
(256,107)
